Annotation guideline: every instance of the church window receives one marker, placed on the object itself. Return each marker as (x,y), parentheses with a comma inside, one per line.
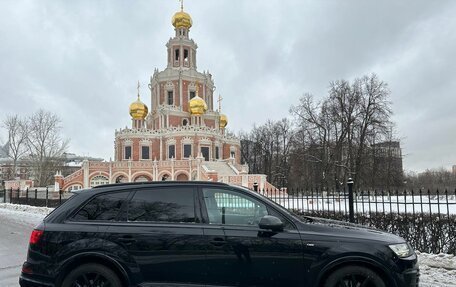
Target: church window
(184,122)
(187,150)
(172,151)
(192,94)
(205,152)
(176,55)
(186,56)
(217,152)
(170,98)
(127,153)
(145,152)
(232,154)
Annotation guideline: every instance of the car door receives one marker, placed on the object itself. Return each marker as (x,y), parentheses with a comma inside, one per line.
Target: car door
(240,253)
(161,236)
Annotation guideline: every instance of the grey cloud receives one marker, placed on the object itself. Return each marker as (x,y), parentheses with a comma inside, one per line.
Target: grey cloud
(82,59)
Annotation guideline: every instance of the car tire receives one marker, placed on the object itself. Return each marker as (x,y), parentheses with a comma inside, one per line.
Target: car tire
(354,276)
(91,274)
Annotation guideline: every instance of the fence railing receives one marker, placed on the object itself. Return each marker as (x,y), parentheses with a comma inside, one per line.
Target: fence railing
(365,203)
(34,197)
(424,218)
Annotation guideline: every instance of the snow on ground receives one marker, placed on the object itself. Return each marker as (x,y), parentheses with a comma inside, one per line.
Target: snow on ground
(26,210)
(437,270)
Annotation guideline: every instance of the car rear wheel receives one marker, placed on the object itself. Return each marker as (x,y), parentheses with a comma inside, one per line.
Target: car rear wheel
(92,275)
(354,276)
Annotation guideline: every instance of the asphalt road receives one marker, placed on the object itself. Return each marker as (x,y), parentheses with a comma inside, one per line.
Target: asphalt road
(15,228)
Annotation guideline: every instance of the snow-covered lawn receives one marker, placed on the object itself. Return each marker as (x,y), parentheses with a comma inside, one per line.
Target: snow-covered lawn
(26,211)
(437,270)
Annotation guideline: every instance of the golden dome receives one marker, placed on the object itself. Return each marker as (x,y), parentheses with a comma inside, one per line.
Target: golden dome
(138,110)
(182,19)
(223,121)
(197,106)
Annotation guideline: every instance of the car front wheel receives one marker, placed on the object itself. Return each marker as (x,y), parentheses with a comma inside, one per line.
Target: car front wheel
(92,275)
(354,276)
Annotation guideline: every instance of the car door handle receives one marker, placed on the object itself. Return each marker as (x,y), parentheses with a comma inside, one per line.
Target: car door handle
(127,239)
(218,242)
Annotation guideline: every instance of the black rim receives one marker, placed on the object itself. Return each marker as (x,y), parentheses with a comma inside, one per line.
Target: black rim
(356,280)
(91,280)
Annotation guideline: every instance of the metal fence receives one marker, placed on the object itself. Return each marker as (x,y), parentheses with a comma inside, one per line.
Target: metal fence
(35,197)
(425,218)
(365,203)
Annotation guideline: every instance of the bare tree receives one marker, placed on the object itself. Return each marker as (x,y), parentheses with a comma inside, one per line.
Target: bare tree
(266,149)
(373,118)
(15,147)
(337,133)
(45,145)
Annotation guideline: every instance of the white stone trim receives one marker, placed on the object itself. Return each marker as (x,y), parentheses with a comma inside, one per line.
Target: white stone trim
(187,140)
(205,141)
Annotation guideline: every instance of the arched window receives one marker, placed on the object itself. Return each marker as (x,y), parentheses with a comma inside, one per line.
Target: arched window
(98,180)
(142,178)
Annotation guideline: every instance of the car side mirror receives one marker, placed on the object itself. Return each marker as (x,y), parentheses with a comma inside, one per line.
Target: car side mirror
(271,223)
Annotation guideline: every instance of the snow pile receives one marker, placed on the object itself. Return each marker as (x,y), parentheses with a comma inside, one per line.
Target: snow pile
(437,270)
(36,210)
(445,261)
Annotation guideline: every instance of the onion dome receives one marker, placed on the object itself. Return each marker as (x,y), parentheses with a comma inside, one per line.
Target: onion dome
(223,121)
(138,110)
(197,106)
(182,19)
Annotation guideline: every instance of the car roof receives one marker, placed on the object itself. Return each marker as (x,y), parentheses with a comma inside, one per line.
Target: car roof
(129,185)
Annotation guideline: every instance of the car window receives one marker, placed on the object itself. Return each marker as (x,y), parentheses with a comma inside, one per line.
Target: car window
(104,207)
(162,205)
(231,208)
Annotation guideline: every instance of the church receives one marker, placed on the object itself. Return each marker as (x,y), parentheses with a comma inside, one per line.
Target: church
(180,137)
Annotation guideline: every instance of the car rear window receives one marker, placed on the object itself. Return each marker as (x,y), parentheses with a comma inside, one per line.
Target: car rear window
(104,207)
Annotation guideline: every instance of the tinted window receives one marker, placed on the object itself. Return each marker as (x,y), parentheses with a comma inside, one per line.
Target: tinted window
(162,205)
(103,207)
(227,207)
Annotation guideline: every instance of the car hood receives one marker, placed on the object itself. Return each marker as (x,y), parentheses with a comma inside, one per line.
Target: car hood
(344,231)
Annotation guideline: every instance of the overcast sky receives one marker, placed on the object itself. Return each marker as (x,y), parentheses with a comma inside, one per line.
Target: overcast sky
(82,60)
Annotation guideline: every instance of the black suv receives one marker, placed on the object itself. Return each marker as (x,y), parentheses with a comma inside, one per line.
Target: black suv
(205,234)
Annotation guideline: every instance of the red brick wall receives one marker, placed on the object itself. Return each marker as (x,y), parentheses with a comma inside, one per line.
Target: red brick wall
(156,149)
(210,123)
(175,121)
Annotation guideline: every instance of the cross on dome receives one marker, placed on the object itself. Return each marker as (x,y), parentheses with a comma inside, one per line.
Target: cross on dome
(220,103)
